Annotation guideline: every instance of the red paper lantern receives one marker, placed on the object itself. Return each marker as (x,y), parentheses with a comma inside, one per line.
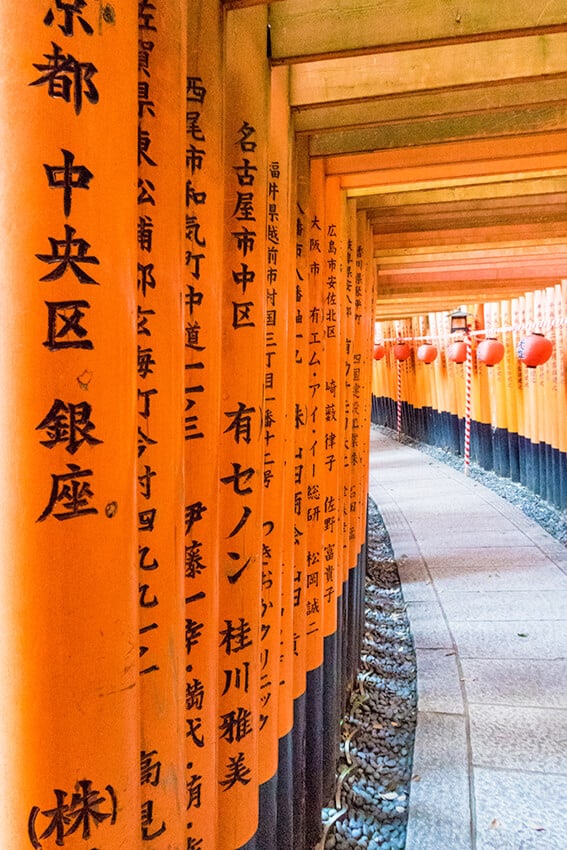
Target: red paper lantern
(402,350)
(379,351)
(427,353)
(490,351)
(457,352)
(534,350)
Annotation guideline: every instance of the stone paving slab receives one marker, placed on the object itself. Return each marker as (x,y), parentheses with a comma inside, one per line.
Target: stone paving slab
(519,738)
(528,605)
(491,537)
(438,681)
(485,568)
(439,774)
(417,584)
(495,681)
(428,626)
(511,639)
(520,811)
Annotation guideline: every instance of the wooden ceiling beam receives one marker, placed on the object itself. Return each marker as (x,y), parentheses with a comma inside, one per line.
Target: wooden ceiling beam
(428,69)
(478,192)
(303,31)
(427,302)
(244,4)
(427,215)
(448,175)
(435,131)
(513,234)
(419,281)
(487,218)
(474,98)
(479,254)
(451,159)
(452,298)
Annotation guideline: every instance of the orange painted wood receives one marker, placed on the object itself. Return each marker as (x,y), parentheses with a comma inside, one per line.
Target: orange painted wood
(496,388)
(280,296)
(276,572)
(301,427)
(399,173)
(512,400)
(367,337)
(314,459)
(493,154)
(69,680)
(241,442)
(534,232)
(333,398)
(362,342)
(561,361)
(349,476)
(161,400)
(203,250)
(281,157)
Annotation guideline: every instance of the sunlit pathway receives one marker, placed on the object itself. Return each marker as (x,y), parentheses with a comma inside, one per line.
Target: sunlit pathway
(486,592)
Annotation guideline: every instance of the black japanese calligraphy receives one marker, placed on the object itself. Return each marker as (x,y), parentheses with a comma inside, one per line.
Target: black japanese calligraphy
(70,9)
(85,810)
(67,78)
(72,492)
(69,424)
(68,253)
(68,177)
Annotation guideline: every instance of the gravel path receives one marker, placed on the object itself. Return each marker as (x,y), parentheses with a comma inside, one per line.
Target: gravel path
(371,806)
(378,732)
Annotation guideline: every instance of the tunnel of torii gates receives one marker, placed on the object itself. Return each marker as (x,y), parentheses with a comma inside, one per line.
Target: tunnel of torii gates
(190,308)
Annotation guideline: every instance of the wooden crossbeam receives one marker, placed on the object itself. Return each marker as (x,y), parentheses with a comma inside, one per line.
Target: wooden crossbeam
(427,69)
(426,131)
(303,31)
(480,98)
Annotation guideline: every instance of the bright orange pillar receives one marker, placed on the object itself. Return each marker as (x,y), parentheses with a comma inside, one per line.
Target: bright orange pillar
(314,460)
(69,744)
(298,525)
(347,372)
(280,297)
(301,435)
(277,541)
(164,633)
(363,369)
(512,371)
(333,398)
(202,282)
(242,437)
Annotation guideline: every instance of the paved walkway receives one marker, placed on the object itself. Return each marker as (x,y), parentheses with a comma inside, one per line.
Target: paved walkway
(486,593)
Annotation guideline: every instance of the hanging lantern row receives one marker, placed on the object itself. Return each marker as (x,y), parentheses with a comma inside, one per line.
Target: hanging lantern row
(533,350)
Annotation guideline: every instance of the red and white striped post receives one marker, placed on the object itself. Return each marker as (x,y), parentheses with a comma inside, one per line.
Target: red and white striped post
(468,402)
(399,402)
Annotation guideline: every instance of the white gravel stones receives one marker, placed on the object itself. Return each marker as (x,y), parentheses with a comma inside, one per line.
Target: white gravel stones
(383,713)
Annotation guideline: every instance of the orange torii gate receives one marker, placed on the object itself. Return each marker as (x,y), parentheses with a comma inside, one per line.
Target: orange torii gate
(183,528)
